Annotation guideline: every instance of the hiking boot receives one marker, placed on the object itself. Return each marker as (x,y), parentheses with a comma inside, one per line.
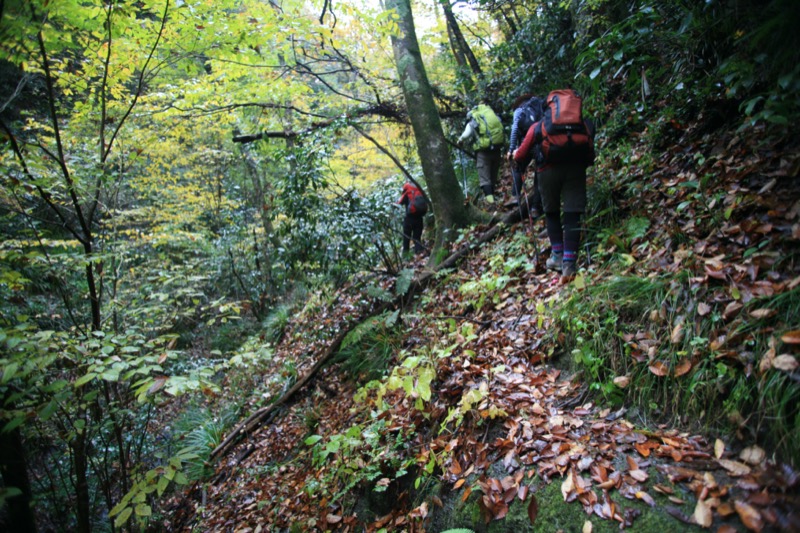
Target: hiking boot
(568,271)
(554,262)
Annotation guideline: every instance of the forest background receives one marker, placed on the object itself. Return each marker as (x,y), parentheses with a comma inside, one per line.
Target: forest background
(185,180)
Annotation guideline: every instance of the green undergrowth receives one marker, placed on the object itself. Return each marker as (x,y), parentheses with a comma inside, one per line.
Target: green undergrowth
(642,342)
(199,431)
(369,348)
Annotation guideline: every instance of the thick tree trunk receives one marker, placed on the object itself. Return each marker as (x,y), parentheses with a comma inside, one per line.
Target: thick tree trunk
(443,189)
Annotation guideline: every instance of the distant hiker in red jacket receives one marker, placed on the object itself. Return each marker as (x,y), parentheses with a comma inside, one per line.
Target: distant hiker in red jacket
(416,206)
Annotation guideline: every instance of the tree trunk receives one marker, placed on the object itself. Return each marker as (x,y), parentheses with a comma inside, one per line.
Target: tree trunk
(14,470)
(460,42)
(262,203)
(443,189)
(80,468)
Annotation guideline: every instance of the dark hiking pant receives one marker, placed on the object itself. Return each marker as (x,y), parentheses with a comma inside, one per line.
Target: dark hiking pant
(488,163)
(563,189)
(412,230)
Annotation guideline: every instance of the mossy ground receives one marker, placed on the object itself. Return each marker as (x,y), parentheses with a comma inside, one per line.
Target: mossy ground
(556,515)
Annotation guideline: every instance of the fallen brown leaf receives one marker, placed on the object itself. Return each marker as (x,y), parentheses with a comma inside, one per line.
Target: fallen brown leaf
(646,498)
(568,488)
(725,509)
(768,358)
(663,489)
(731,309)
(677,334)
(750,516)
(703,514)
(791,337)
(753,455)
(719,448)
(785,362)
(533,509)
(659,368)
(683,367)
(677,513)
(622,381)
(735,468)
(763,313)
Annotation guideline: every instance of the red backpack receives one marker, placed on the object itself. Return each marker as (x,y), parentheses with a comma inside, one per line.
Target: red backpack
(564,135)
(417,205)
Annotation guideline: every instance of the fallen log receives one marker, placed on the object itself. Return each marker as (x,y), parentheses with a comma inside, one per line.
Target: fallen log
(254,420)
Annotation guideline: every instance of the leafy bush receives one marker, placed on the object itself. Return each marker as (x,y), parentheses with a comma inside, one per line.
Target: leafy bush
(537,57)
(89,397)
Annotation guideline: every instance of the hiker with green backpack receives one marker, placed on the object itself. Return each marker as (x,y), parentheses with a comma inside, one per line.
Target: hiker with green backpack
(485,131)
(563,142)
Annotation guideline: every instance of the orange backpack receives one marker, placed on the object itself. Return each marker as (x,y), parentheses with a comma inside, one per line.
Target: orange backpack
(563,134)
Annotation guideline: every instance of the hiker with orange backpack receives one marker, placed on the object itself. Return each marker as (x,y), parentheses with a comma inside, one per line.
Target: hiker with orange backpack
(565,144)
(416,206)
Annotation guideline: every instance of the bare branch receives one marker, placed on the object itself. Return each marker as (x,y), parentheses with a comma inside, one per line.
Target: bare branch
(386,110)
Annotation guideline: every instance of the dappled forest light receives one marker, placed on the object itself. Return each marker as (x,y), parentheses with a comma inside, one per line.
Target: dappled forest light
(209,322)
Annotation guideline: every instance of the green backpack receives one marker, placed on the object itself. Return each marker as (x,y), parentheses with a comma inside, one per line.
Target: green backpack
(490,129)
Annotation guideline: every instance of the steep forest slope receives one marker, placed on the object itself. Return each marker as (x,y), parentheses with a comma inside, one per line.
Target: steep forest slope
(207,322)
(657,391)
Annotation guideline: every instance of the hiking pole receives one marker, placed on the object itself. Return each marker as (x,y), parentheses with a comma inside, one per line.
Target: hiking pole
(530,220)
(520,189)
(463,172)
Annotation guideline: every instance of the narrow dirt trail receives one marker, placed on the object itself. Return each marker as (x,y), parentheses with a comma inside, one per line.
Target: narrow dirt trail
(545,430)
